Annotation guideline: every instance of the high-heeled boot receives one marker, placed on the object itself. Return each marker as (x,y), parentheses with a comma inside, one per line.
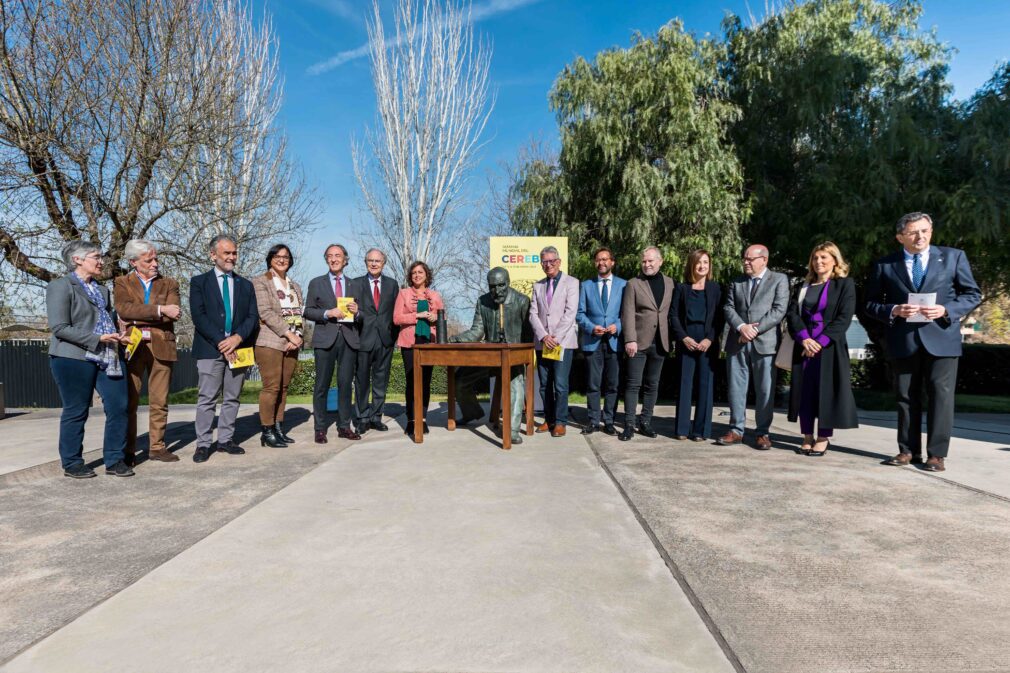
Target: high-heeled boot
(270,438)
(280,433)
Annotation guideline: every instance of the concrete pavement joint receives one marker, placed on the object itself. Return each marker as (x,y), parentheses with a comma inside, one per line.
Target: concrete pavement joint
(671,565)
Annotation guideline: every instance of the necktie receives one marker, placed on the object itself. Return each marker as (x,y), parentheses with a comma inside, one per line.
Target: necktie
(226,294)
(550,291)
(605,295)
(375,293)
(753,287)
(917,272)
(337,292)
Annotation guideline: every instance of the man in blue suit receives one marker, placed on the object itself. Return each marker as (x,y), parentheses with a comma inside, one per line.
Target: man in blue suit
(225,318)
(599,321)
(923,343)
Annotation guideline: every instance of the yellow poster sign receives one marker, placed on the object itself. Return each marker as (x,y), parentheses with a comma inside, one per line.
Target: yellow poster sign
(520,255)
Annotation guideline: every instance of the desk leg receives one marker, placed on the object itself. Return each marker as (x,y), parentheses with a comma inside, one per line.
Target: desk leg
(418,402)
(450,374)
(493,417)
(531,370)
(506,402)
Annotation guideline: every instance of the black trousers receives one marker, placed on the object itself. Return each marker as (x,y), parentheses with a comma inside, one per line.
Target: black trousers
(602,377)
(939,376)
(370,383)
(408,370)
(345,359)
(643,372)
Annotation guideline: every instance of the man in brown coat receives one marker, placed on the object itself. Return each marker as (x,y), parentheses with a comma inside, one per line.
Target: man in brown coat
(150,303)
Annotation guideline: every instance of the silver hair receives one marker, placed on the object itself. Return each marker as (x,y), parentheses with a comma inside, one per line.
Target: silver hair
(371,250)
(908,218)
(222,237)
(137,248)
(77,248)
(550,248)
(659,253)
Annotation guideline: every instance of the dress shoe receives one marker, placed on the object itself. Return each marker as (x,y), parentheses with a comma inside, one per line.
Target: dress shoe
(201,454)
(935,464)
(680,437)
(231,448)
(517,438)
(816,452)
(697,438)
(589,429)
(81,471)
(378,425)
(163,456)
(268,437)
(558,431)
(120,469)
(347,433)
(901,460)
(646,429)
(610,429)
(729,439)
(627,434)
(280,433)
(320,436)
(362,429)
(543,427)
(467,420)
(763,443)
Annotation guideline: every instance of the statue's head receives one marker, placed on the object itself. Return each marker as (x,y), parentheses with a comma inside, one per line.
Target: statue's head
(498,283)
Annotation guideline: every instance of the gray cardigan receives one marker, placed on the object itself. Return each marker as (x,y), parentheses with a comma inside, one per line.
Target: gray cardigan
(72,318)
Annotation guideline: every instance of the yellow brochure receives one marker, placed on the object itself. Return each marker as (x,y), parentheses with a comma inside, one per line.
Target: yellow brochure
(556,353)
(342,306)
(136,336)
(243,358)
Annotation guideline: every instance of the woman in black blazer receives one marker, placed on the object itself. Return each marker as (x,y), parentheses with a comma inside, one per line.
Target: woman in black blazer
(695,320)
(818,317)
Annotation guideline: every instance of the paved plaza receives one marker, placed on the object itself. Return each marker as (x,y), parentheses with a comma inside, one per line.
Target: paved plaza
(562,555)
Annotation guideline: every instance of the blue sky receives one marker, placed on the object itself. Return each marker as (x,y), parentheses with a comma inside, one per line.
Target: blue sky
(329,100)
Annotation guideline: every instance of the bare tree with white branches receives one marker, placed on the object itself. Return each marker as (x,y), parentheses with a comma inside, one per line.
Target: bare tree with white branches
(431,89)
(122,119)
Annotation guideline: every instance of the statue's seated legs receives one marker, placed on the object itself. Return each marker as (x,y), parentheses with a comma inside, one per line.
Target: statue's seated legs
(467,380)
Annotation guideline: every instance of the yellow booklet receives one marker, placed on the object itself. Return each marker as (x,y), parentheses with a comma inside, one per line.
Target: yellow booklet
(556,353)
(243,358)
(342,306)
(136,337)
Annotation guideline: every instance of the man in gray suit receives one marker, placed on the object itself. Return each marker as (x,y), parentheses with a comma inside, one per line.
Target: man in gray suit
(755,305)
(335,341)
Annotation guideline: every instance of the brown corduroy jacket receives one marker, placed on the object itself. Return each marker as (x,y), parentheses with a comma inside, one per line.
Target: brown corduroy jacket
(129,303)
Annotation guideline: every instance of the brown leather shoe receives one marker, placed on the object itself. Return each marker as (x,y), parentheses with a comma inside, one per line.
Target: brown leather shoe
(763,443)
(558,431)
(543,427)
(320,436)
(900,460)
(729,439)
(935,464)
(163,456)
(347,433)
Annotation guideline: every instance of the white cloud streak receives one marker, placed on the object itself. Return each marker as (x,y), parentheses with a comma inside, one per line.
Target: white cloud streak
(481,12)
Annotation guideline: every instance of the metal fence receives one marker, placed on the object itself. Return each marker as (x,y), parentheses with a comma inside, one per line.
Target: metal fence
(28,381)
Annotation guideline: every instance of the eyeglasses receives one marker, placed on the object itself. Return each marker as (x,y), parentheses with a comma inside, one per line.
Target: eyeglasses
(915,233)
(283,258)
(550,261)
(754,259)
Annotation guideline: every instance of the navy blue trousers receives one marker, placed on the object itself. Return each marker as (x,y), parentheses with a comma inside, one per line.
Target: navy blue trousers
(77,381)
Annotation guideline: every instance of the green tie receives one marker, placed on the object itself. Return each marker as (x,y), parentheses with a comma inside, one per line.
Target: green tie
(226,293)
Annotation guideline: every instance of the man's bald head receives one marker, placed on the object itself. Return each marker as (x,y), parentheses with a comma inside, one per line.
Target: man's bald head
(755,260)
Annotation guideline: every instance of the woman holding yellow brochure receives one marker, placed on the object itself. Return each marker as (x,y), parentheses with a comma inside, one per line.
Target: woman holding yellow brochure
(279,300)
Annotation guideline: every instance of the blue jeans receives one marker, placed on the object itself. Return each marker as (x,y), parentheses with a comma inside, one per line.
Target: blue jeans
(554,386)
(77,381)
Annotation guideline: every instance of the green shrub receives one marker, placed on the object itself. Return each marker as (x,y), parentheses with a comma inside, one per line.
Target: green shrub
(305,378)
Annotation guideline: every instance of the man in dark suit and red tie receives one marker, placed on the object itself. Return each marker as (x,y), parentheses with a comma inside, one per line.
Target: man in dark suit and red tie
(923,342)
(378,335)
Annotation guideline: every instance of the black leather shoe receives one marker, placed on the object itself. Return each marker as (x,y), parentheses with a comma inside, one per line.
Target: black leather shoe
(647,431)
(378,425)
(81,471)
(120,469)
(230,448)
(610,430)
(269,437)
(467,420)
(201,454)
(589,429)
(626,435)
(361,429)
(280,433)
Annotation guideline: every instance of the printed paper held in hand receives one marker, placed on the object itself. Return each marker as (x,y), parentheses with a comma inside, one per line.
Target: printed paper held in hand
(921,299)
(342,306)
(556,353)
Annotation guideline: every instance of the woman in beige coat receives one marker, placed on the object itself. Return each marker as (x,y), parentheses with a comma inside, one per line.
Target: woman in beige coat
(279,300)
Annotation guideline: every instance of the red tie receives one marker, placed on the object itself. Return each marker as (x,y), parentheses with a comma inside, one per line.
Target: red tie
(336,288)
(375,293)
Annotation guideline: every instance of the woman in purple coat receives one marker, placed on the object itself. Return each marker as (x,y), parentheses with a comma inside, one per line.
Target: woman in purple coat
(819,314)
